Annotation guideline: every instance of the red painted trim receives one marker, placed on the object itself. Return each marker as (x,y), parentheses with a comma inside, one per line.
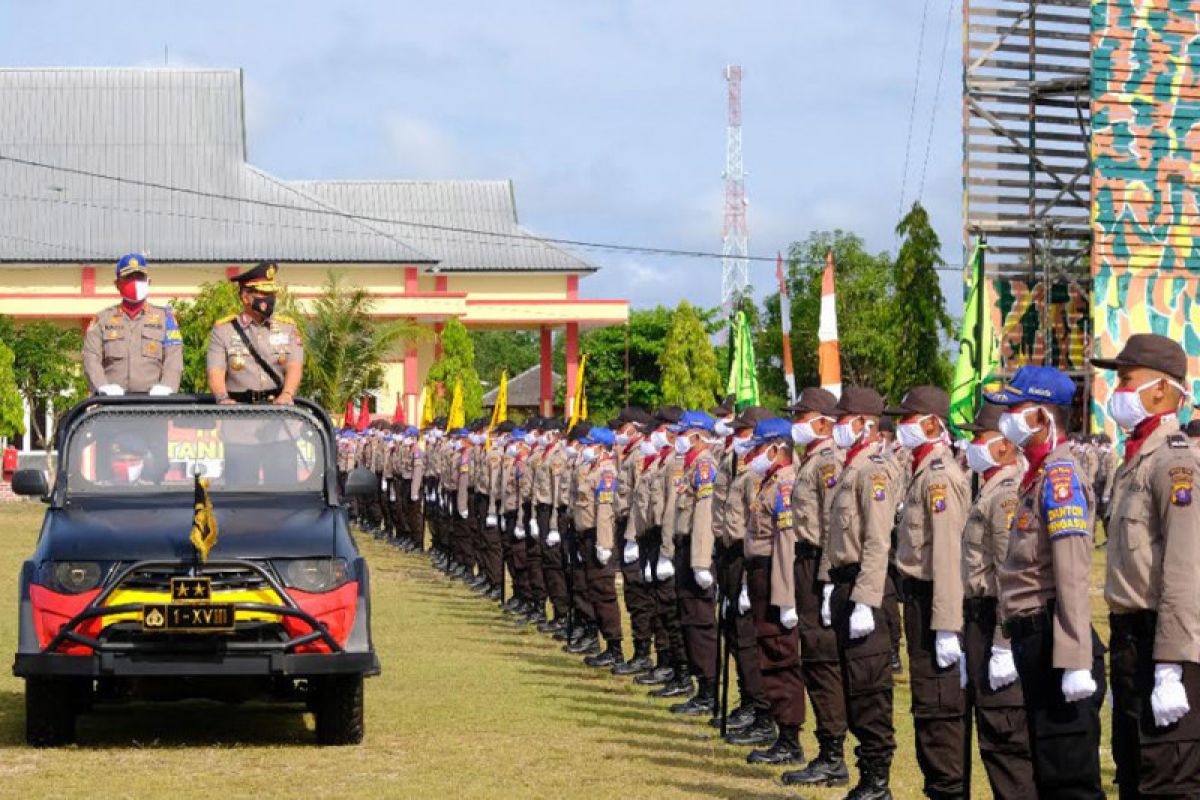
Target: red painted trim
(537,301)
(304,295)
(572,287)
(437,342)
(87,281)
(84,324)
(410,280)
(572,362)
(439,284)
(547,373)
(233,272)
(411,384)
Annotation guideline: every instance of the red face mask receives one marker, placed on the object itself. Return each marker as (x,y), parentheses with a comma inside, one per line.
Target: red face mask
(134,290)
(127,471)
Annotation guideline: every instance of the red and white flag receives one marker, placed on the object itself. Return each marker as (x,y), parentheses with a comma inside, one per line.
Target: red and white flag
(829,359)
(785,322)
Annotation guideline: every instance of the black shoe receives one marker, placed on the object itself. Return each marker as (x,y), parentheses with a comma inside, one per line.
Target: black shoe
(786,749)
(552,626)
(512,605)
(872,785)
(638,664)
(827,769)
(493,594)
(584,645)
(896,661)
(679,686)
(534,617)
(612,656)
(758,733)
(659,676)
(741,718)
(565,634)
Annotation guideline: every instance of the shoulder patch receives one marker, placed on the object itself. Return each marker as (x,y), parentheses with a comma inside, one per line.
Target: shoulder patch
(829,475)
(285,319)
(171,335)
(937,497)
(704,480)
(878,486)
(1063,502)
(1182,482)
(606,486)
(225,320)
(782,510)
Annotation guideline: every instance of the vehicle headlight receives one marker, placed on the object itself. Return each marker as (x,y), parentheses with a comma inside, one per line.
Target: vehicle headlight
(71,577)
(314,574)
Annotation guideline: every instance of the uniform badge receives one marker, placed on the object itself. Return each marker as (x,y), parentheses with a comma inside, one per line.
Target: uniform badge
(783,506)
(237,363)
(1181,486)
(154,319)
(281,358)
(878,487)
(937,498)
(1063,502)
(706,477)
(1060,477)
(829,475)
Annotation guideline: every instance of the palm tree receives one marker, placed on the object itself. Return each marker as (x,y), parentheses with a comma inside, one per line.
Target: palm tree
(346,347)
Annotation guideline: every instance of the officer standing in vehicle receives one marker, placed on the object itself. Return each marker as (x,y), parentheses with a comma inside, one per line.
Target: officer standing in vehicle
(1044,590)
(1153,574)
(256,356)
(133,347)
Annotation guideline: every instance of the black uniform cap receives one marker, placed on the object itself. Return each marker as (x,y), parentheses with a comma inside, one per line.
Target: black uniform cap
(988,419)
(860,400)
(581,429)
(260,277)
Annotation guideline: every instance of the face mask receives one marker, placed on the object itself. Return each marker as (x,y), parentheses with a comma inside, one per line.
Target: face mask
(910,435)
(760,463)
(844,435)
(264,305)
(135,291)
(511,451)
(1014,427)
(742,446)
(646,447)
(588,455)
(622,439)
(659,440)
(682,445)
(1126,405)
(127,471)
(803,433)
(722,428)
(979,457)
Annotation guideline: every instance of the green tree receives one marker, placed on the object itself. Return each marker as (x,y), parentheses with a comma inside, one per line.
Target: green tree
(345,347)
(496,351)
(919,317)
(688,363)
(45,366)
(457,362)
(196,318)
(12,411)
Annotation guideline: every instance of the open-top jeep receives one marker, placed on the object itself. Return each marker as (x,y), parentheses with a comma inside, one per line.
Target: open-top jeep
(120,600)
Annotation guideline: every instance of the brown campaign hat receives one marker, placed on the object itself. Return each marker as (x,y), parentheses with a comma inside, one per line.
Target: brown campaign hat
(1151,351)
(860,400)
(922,400)
(988,419)
(814,398)
(724,408)
(750,416)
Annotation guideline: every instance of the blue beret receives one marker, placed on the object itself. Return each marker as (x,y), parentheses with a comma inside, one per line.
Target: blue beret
(692,421)
(1035,385)
(771,429)
(600,435)
(517,434)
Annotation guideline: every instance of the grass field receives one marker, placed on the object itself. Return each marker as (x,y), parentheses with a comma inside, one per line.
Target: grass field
(468,706)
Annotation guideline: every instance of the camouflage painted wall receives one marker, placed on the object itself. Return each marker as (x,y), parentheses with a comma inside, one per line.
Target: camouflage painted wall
(1015,316)
(1145,178)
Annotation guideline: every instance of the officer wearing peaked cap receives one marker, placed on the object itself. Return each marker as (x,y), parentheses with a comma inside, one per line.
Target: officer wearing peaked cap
(134,346)
(1153,570)
(256,356)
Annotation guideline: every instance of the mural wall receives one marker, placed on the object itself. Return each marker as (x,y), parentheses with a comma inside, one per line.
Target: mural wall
(1016,317)
(1145,179)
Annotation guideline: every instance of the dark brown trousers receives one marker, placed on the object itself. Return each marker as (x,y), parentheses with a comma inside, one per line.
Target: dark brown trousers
(999,715)
(666,604)
(639,595)
(739,627)
(552,567)
(819,661)
(1151,761)
(534,558)
(939,705)
(577,557)
(697,614)
(493,550)
(518,565)
(602,589)
(778,648)
(866,676)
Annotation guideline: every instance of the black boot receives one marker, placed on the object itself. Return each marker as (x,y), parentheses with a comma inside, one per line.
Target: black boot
(586,644)
(658,676)
(513,605)
(739,719)
(552,626)
(872,784)
(535,614)
(638,664)
(680,684)
(827,769)
(569,634)
(611,657)
(896,667)
(786,749)
(702,703)
(759,732)
(493,594)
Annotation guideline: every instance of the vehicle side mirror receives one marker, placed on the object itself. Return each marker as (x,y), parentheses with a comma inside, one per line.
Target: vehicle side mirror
(361,483)
(30,483)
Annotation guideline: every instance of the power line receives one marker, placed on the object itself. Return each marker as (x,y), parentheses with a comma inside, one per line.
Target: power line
(937,93)
(912,109)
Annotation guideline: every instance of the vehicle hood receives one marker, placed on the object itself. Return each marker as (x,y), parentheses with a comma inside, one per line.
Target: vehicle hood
(249,526)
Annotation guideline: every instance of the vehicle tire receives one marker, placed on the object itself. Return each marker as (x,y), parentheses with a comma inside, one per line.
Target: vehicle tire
(338,708)
(50,706)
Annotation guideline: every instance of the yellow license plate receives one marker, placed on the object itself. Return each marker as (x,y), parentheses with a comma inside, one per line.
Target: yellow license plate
(187,617)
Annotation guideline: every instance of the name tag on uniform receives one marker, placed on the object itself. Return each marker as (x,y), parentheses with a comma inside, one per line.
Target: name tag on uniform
(280,338)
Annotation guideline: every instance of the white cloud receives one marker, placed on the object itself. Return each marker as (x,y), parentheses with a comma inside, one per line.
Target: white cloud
(421,149)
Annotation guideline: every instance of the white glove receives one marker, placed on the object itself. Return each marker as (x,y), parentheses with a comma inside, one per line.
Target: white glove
(552,538)
(603,554)
(490,521)
(631,553)
(519,532)
(1077,684)
(647,574)
(1169,700)
(413,497)
(533,529)
(947,648)
(862,621)
(826,611)
(962,673)
(1002,670)
(788,618)
(158,390)
(110,390)
(704,578)
(665,568)
(383,484)
(464,513)
(743,600)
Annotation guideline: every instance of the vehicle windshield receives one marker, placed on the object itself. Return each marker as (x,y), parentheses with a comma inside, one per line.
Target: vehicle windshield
(141,450)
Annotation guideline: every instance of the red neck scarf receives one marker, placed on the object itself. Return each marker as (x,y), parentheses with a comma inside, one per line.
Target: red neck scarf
(1140,434)
(813,448)
(132,310)
(858,448)
(1036,455)
(919,454)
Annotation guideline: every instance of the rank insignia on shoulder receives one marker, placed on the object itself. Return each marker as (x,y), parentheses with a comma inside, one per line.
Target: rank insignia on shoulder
(1178,442)
(1182,481)
(878,459)
(937,463)
(937,498)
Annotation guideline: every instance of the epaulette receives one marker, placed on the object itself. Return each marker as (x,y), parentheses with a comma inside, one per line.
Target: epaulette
(285,318)
(1178,441)
(937,463)
(223,320)
(1008,482)
(878,459)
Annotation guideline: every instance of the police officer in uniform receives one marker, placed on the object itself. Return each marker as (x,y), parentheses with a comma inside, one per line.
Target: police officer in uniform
(1153,574)
(1044,591)
(133,347)
(929,560)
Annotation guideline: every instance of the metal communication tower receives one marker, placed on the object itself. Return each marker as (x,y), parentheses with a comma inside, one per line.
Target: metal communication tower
(735,269)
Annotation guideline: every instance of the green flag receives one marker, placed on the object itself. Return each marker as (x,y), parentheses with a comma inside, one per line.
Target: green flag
(743,379)
(978,351)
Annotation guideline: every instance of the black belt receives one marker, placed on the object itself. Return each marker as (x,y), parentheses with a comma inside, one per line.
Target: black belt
(253,396)
(758,562)
(844,574)
(979,609)
(1136,624)
(806,550)
(915,587)
(1030,624)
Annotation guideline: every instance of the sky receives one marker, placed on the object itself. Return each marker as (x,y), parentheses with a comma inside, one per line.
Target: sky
(608,116)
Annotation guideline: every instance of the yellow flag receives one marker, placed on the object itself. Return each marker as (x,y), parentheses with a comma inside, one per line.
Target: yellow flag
(579,401)
(456,418)
(424,408)
(204,521)
(500,410)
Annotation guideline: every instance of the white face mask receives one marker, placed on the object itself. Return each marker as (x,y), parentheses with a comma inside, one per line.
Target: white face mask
(588,455)
(647,448)
(979,457)
(761,463)
(1014,427)
(910,434)
(622,439)
(803,433)
(659,440)
(844,435)
(682,444)
(1126,406)
(722,428)
(141,290)
(512,450)
(742,446)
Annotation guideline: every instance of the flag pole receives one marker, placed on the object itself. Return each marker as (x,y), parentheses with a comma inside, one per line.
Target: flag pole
(980,271)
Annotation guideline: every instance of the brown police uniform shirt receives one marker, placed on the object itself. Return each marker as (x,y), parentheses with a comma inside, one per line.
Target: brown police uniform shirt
(694,506)
(725,476)
(1050,555)
(985,537)
(277,340)
(495,471)
(929,538)
(465,458)
(672,487)
(134,353)
(816,478)
(772,532)
(629,467)
(648,497)
(632,482)
(738,501)
(861,514)
(1154,541)
(595,495)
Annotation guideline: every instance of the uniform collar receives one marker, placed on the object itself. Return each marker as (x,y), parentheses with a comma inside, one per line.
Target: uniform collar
(920,454)
(248,321)
(133,311)
(1037,459)
(816,446)
(997,474)
(1149,434)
